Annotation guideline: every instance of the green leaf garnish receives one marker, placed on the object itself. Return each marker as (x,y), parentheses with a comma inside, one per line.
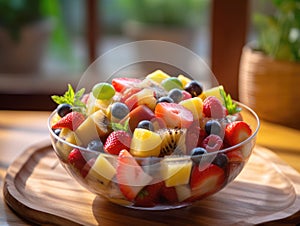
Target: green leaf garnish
(119,126)
(231,107)
(70,97)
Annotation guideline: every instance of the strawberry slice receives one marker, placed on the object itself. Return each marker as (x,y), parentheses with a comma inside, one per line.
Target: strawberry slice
(117,141)
(76,159)
(130,175)
(71,121)
(121,84)
(174,115)
(128,93)
(235,156)
(149,195)
(206,181)
(236,132)
(169,194)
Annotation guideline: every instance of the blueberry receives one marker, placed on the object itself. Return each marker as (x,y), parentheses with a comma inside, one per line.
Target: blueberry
(165,99)
(119,110)
(213,127)
(221,160)
(95,145)
(197,153)
(57,132)
(146,124)
(176,95)
(64,109)
(194,88)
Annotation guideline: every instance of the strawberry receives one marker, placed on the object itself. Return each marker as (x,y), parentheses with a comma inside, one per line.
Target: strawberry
(212,107)
(149,195)
(121,84)
(71,121)
(130,175)
(206,181)
(235,156)
(169,194)
(117,141)
(85,170)
(174,115)
(129,92)
(212,143)
(236,132)
(76,159)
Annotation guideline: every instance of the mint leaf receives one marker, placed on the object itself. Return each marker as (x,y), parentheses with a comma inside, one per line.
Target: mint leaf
(231,107)
(119,126)
(70,97)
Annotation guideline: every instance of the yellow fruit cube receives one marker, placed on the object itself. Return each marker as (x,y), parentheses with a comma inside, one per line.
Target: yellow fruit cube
(176,173)
(87,131)
(158,76)
(215,91)
(145,143)
(184,80)
(195,105)
(102,170)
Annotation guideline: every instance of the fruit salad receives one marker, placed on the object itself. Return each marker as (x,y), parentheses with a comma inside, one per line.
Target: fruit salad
(156,143)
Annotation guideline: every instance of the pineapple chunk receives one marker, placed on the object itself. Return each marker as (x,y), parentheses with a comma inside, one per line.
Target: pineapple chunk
(215,91)
(145,143)
(87,131)
(64,149)
(102,170)
(195,105)
(176,173)
(184,80)
(158,76)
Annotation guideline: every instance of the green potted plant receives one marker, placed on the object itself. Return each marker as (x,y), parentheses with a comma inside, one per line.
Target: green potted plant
(167,20)
(25,29)
(269,69)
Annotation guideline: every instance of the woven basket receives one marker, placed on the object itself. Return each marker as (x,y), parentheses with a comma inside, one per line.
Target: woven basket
(270,87)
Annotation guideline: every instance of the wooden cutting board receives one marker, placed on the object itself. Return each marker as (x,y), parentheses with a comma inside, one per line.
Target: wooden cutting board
(38,189)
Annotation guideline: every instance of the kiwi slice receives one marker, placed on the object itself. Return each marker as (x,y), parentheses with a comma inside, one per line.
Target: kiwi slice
(173,141)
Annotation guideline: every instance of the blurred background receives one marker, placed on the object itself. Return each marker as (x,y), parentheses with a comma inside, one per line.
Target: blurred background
(46,44)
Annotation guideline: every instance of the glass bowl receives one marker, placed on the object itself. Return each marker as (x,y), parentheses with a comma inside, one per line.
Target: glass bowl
(155,183)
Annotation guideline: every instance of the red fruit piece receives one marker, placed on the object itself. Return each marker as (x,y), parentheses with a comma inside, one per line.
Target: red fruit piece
(174,115)
(206,181)
(236,132)
(138,114)
(70,121)
(76,159)
(130,175)
(213,108)
(121,84)
(117,141)
(235,156)
(129,92)
(195,136)
(85,170)
(169,194)
(186,95)
(149,195)
(212,143)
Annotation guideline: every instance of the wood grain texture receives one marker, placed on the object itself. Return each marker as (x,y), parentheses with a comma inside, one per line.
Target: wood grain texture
(40,190)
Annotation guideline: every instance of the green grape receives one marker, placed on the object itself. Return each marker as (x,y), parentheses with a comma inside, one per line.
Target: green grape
(103,91)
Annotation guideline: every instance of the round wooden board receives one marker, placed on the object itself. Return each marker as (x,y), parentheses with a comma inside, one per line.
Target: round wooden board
(38,189)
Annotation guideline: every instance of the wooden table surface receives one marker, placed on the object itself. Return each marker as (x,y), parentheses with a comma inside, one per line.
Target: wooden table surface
(21,129)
